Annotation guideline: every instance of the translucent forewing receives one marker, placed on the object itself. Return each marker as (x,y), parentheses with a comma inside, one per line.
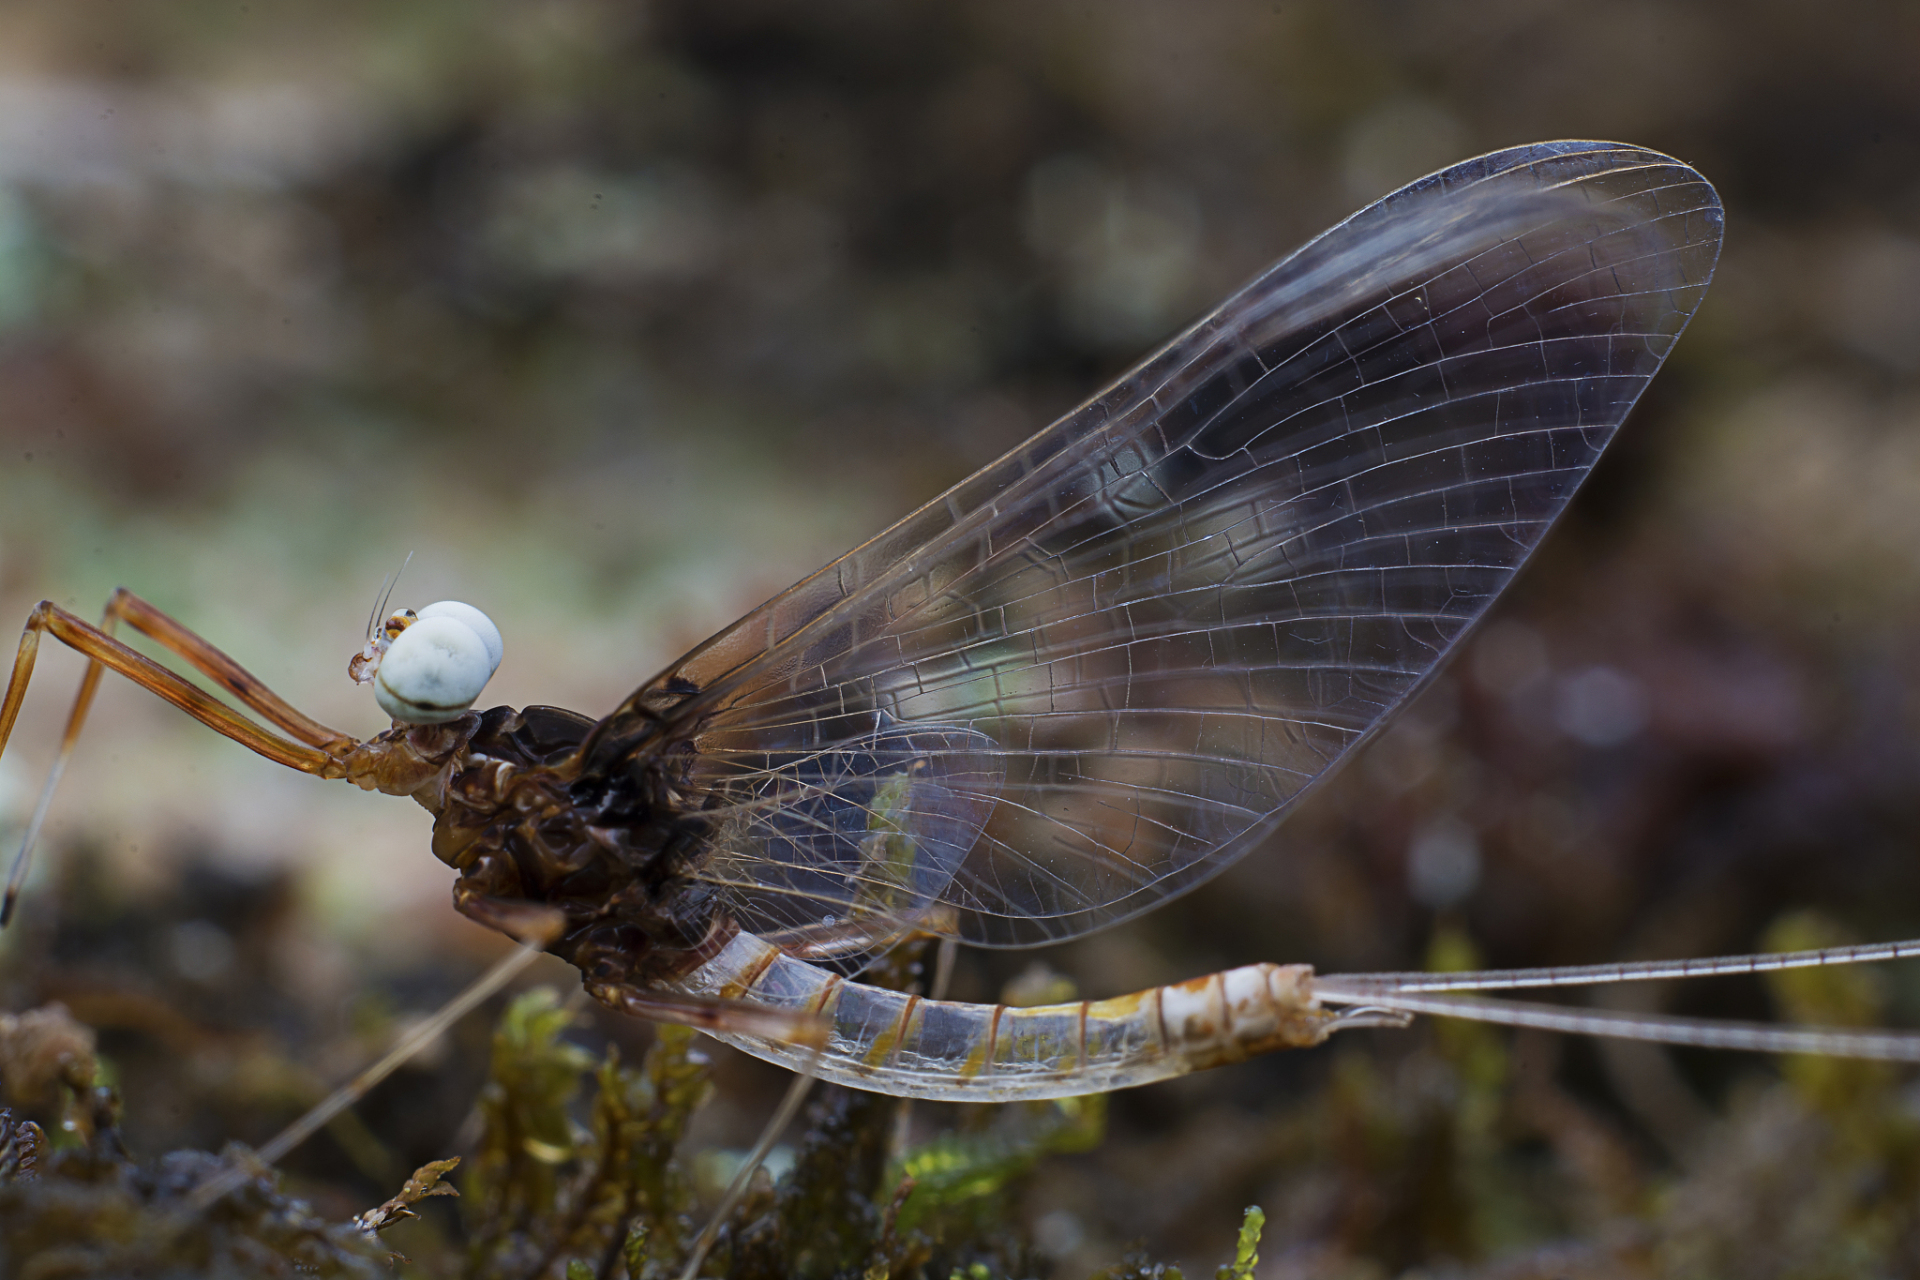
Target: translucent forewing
(834,852)
(1173,611)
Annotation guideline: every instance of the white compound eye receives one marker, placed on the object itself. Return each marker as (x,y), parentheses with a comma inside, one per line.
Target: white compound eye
(433,670)
(481,624)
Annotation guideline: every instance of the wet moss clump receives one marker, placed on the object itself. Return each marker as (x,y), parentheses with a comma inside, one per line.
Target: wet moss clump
(546,1193)
(549,1196)
(549,1193)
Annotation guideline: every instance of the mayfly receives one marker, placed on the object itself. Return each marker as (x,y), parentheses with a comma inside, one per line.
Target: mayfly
(1077,684)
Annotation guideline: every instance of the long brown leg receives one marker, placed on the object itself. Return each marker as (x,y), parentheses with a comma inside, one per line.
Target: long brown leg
(318,753)
(715,1013)
(221,669)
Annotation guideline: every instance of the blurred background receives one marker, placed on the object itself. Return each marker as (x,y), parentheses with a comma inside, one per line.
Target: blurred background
(620,317)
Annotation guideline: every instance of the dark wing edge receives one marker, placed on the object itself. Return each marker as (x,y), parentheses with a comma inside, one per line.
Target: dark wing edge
(1176,608)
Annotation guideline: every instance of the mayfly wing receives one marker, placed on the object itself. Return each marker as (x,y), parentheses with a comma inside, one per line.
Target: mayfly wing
(1150,628)
(833,852)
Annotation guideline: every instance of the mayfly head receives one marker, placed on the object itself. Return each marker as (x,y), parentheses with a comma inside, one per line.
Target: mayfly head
(428,666)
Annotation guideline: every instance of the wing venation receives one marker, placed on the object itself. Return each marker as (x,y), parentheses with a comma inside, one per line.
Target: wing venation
(1130,645)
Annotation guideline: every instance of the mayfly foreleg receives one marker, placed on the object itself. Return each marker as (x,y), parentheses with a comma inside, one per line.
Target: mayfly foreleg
(317,752)
(124,605)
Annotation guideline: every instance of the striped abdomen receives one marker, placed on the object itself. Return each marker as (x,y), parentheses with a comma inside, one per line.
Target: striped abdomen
(949,1051)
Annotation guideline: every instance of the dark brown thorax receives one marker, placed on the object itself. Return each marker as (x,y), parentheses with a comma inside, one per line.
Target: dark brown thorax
(524,823)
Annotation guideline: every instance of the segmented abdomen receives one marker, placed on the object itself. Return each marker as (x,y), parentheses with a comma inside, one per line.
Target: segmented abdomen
(949,1051)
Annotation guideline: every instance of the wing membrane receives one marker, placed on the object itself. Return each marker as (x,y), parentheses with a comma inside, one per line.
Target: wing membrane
(834,852)
(1171,612)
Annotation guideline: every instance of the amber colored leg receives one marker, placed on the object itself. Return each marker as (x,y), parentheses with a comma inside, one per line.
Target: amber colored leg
(105,651)
(221,669)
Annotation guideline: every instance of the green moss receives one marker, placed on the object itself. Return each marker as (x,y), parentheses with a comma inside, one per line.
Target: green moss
(965,1175)
(547,1193)
(1246,1250)
(579,1171)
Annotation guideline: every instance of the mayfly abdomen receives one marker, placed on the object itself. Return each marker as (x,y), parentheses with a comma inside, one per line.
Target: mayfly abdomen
(953,1052)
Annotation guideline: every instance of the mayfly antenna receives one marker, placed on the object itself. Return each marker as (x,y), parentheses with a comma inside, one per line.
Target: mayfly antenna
(385,598)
